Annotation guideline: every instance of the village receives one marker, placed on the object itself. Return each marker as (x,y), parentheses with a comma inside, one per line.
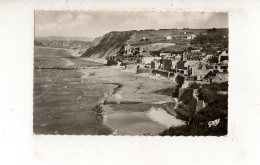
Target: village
(193,63)
(192,68)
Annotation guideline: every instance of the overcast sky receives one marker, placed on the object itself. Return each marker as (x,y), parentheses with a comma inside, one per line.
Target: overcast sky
(94,24)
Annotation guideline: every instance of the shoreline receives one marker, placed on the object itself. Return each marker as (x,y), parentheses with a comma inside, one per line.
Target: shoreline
(124,103)
(131,98)
(98,60)
(51,48)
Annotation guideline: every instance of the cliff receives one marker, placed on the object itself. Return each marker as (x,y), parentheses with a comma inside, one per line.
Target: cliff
(108,44)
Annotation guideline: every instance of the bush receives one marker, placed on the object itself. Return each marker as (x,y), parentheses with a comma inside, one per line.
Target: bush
(213,39)
(176,91)
(198,124)
(208,92)
(194,85)
(207,95)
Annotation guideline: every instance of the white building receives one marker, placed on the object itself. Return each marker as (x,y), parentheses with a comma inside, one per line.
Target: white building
(128,49)
(168,38)
(190,37)
(178,57)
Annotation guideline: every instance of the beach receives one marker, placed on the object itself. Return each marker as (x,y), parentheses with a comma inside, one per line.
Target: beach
(65,100)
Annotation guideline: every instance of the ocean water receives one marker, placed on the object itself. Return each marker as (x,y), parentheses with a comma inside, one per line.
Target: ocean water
(63,103)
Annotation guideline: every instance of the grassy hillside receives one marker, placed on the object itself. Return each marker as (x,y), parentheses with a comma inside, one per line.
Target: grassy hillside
(111,43)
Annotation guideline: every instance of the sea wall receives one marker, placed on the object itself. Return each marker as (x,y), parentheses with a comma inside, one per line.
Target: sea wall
(111,62)
(144,70)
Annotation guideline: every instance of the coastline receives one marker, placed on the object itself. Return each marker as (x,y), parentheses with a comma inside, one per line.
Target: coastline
(51,48)
(100,100)
(130,106)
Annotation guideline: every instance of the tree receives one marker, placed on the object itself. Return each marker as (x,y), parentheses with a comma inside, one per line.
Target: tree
(214,59)
(217,108)
(179,79)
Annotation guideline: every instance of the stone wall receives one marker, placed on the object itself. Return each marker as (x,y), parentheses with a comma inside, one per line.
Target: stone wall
(144,70)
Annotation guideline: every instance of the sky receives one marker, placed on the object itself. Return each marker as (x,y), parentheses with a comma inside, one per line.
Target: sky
(95,24)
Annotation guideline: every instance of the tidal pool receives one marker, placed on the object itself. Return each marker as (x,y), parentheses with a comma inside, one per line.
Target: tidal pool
(150,122)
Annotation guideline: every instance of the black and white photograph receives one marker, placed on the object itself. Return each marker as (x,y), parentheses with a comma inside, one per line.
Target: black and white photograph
(129,82)
(130,73)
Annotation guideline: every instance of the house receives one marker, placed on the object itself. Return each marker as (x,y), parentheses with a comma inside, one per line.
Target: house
(167,64)
(174,63)
(222,57)
(193,68)
(188,65)
(178,57)
(202,71)
(220,77)
(223,66)
(147,60)
(128,49)
(180,67)
(143,49)
(155,64)
(190,37)
(186,56)
(186,68)
(210,75)
(168,38)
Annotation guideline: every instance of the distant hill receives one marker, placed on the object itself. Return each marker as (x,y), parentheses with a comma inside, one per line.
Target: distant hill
(58,38)
(111,43)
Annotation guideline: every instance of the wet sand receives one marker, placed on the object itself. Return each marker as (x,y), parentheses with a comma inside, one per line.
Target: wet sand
(134,109)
